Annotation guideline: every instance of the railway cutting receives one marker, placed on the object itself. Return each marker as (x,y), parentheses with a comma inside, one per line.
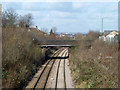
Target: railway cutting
(55,73)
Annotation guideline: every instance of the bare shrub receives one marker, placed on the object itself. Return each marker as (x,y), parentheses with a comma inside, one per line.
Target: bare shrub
(95,63)
(21,56)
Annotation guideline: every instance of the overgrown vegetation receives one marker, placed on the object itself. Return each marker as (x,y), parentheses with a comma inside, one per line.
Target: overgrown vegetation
(94,63)
(21,55)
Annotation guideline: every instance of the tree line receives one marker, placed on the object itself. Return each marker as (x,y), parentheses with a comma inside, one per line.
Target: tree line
(11,18)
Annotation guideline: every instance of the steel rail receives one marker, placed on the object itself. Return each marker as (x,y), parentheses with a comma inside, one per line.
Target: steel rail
(64,72)
(58,51)
(50,70)
(50,61)
(58,71)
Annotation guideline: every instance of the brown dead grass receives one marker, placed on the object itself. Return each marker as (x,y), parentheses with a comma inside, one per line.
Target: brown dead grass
(21,56)
(95,63)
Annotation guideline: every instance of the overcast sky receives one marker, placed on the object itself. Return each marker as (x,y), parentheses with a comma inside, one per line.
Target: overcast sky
(69,16)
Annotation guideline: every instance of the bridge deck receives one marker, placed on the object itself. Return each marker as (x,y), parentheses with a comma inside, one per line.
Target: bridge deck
(45,46)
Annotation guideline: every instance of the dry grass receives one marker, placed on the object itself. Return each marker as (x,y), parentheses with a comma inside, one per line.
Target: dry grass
(94,64)
(21,56)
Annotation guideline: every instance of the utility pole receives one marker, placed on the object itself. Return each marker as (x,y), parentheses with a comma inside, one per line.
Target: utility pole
(102,27)
(0,48)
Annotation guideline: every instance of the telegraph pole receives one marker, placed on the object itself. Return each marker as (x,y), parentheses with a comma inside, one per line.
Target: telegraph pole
(0,48)
(102,27)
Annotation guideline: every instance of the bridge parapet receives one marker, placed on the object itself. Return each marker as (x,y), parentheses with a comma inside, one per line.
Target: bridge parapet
(57,42)
(60,43)
(46,46)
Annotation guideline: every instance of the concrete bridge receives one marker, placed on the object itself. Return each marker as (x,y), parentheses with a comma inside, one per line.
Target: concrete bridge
(46,46)
(57,42)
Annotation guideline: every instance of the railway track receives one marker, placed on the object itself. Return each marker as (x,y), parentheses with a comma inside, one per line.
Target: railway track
(60,77)
(42,78)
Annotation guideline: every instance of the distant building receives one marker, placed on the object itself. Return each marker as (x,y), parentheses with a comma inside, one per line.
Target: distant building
(110,36)
(36,30)
(106,32)
(33,29)
(71,36)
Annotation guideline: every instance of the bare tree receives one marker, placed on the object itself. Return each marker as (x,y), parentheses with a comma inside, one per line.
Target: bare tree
(26,20)
(51,32)
(9,18)
(44,30)
(92,35)
(78,36)
(54,29)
